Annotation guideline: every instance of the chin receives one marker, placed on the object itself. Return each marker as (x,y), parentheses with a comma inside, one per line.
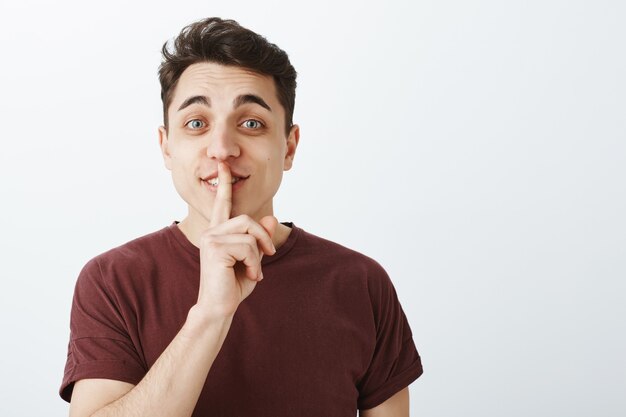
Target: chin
(237,211)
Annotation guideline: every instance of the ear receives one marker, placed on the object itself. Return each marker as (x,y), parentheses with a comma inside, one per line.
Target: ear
(292,144)
(164,144)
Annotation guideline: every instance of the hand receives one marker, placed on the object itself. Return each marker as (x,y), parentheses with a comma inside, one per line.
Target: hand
(230,252)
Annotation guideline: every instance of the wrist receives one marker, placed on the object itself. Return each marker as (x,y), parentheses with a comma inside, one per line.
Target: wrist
(200,321)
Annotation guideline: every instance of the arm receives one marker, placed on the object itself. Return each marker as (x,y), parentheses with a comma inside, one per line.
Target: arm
(173,384)
(396,406)
(170,388)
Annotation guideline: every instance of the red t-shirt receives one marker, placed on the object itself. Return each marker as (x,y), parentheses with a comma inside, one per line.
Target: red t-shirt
(322,335)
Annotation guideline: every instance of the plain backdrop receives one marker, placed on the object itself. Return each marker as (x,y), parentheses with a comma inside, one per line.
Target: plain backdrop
(476,149)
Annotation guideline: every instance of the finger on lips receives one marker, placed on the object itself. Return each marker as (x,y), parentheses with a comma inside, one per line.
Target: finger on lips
(223,202)
(254,239)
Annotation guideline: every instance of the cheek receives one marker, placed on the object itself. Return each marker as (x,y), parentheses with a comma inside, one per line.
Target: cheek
(274,170)
(274,164)
(183,174)
(184,159)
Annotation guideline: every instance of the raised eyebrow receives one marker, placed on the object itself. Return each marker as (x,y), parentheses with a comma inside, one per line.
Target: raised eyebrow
(250,98)
(195,99)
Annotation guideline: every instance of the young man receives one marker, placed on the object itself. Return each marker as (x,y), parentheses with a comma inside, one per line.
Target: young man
(230,313)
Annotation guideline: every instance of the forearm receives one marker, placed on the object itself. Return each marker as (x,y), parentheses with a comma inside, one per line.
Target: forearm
(173,384)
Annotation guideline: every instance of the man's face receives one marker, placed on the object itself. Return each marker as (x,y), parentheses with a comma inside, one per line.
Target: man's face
(226,113)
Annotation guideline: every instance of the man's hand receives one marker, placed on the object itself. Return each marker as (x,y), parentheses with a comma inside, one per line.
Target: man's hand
(230,253)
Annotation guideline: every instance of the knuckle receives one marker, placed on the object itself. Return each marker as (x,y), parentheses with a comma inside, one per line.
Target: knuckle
(252,251)
(212,246)
(250,240)
(205,239)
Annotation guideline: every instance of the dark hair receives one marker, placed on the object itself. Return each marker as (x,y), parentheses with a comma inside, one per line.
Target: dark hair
(226,42)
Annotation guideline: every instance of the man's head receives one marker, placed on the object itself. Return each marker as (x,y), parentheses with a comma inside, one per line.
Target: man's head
(227,43)
(228,97)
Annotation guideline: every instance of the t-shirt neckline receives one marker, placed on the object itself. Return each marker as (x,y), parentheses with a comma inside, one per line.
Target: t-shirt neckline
(195,251)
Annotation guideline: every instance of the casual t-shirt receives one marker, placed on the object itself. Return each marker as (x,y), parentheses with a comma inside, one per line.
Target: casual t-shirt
(322,335)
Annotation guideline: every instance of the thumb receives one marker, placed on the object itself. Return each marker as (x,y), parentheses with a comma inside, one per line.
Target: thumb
(269,223)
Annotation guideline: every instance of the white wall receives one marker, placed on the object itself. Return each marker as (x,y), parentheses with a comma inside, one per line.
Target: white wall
(477,149)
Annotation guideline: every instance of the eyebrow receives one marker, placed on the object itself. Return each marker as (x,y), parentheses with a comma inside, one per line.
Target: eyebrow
(237,102)
(195,99)
(250,98)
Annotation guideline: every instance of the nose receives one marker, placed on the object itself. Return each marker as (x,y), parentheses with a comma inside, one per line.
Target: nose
(222,144)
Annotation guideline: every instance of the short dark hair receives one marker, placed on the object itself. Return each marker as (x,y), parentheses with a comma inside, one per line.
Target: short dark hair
(226,42)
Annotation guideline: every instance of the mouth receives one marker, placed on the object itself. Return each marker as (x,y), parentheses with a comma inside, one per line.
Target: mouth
(214,180)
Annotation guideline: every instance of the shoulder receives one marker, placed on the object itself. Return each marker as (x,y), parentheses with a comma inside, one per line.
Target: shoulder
(137,254)
(329,253)
(358,277)
(149,243)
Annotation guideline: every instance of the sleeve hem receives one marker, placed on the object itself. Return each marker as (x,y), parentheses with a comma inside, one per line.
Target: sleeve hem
(392,387)
(111,369)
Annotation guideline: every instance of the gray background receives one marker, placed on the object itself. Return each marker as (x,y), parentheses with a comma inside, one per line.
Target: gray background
(476,149)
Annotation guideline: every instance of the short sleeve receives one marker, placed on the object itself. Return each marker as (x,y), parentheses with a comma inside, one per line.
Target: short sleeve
(99,346)
(395,362)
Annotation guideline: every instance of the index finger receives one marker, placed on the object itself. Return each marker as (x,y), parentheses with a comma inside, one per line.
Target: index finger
(223,203)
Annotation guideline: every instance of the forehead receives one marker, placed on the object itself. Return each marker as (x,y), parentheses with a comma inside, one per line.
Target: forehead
(223,83)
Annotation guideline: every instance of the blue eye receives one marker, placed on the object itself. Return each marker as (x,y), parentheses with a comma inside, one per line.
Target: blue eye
(195,124)
(252,124)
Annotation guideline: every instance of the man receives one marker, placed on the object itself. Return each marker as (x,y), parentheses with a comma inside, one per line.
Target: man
(228,312)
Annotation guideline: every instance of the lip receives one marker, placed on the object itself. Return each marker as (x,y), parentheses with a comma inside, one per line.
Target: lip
(232,174)
(236,186)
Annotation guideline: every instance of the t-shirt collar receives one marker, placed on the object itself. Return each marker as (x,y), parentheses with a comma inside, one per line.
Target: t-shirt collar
(194,251)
